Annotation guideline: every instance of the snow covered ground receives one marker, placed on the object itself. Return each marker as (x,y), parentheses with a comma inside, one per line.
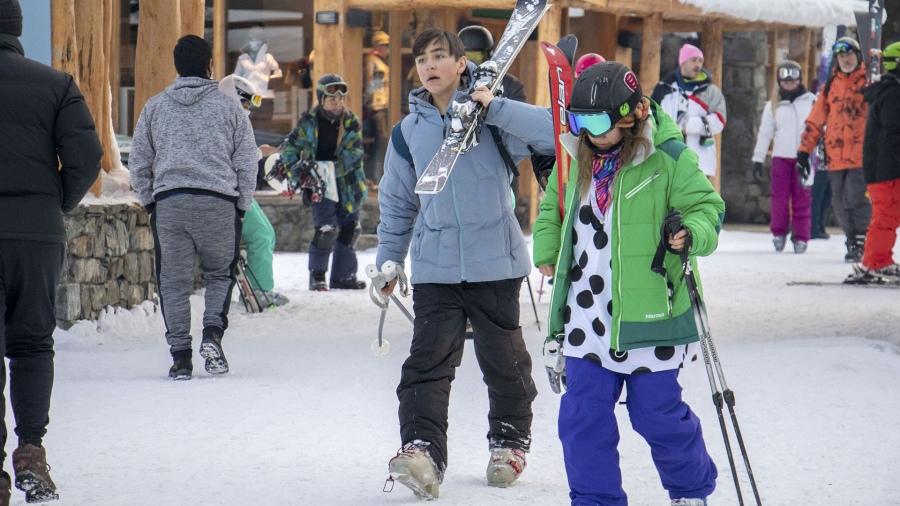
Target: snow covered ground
(309,416)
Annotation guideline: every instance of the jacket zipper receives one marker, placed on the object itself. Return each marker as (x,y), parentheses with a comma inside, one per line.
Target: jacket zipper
(618,207)
(642,185)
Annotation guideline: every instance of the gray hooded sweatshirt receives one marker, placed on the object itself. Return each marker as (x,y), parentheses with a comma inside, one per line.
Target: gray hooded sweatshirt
(193,137)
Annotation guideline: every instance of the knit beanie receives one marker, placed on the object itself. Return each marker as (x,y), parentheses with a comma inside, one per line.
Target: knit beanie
(10,17)
(687,52)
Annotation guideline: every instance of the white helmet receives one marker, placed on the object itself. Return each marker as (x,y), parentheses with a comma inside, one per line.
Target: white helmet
(240,88)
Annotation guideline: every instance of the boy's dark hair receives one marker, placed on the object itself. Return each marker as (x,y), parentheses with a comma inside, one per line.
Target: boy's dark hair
(192,56)
(449,39)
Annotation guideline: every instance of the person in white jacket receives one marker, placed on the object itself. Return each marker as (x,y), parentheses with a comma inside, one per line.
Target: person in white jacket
(256,64)
(784,119)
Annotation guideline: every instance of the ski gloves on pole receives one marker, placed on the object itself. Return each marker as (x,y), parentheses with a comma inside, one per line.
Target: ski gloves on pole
(757,172)
(803,164)
(555,362)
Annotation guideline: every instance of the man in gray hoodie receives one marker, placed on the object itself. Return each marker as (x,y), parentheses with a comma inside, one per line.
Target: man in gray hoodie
(193,165)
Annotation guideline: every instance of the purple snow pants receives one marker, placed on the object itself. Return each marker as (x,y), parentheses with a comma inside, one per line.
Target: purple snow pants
(590,435)
(791,202)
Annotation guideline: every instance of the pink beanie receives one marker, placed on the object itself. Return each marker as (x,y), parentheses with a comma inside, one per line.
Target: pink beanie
(687,52)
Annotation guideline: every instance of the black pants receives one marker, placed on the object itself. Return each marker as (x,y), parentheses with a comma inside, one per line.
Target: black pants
(436,351)
(851,205)
(29,273)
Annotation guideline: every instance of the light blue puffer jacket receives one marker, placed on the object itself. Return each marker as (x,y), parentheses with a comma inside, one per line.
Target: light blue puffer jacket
(468,231)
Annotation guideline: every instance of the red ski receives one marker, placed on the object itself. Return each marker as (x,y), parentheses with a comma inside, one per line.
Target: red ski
(560,87)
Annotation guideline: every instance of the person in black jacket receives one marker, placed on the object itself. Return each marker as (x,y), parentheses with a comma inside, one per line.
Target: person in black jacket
(881,168)
(50,157)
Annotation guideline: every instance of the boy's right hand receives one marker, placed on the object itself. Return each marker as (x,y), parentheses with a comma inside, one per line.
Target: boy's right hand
(547,270)
(389,288)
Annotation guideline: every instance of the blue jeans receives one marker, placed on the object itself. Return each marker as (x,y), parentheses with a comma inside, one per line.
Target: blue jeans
(590,435)
(329,212)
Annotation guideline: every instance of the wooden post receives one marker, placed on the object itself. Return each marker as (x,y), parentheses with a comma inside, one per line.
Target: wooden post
(713,35)
(94,77)
(651,45)
(395,62)
(329,39)
(773,60)
(159,25)
(608,36)
(65,47)
(220,12)
(112,12)
(352,70)
(192,17)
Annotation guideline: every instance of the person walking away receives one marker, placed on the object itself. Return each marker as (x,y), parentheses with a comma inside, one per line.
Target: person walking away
(257,230)
(881,167)
(784,119)
(696,104)
(330,134)
(840,115)
(50,157)
(620,324)
(468,260)
(193,165)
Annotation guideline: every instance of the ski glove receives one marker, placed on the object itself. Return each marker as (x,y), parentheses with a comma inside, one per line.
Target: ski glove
(757,172)
(555,362)
(803,164)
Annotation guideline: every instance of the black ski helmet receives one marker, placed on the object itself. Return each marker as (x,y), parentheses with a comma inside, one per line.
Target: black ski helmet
(607,87)
(789,70)
(477,38)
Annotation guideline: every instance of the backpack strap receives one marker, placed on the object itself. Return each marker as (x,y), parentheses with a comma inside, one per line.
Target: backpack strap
(400,145)
(504,153)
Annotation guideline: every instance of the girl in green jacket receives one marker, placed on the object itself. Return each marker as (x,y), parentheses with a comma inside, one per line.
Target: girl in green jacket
(622,325)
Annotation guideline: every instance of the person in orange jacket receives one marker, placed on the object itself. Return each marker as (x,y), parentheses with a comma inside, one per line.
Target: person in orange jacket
(840,115)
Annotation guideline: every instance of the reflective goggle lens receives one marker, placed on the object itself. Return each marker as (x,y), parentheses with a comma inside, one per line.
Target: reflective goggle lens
(842,47)
(333,89)
(596,124)
(255,100)
(788,74)
(476,57)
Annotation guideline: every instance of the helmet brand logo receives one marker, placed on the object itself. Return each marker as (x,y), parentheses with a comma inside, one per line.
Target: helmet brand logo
(624,110)
(631,81)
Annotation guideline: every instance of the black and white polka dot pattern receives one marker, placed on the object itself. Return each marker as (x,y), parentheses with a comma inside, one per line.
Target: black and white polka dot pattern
(588,312)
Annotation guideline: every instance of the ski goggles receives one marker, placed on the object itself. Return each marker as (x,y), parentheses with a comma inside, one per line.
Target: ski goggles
(333,89)
(596,124)
(842,47)
(788,74)
(255,100)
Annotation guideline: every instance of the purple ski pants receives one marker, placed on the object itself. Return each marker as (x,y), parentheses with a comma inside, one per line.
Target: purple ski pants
(791,202)
(590,434)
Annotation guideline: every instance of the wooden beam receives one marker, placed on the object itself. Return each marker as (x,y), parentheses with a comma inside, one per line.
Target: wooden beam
(113,12)
(62,37)
(192,17)
(220,14)
(651,45)
(158,28)
(712,40)
(395,62)
(608,36)
(94,78)
(352,70)
(329,39)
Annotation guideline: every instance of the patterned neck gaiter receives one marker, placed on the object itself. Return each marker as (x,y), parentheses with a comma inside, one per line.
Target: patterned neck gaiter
(605,167)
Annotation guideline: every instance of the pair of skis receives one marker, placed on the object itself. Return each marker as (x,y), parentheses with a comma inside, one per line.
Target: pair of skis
(873,66)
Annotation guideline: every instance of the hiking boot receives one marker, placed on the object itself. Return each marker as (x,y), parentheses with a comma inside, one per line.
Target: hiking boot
(271,298)
(348,284)
(211,350)
(182,366)
(779,241)
(317,281)
(5,487)
(33,473)
(505,467)
(800,246)
(688,502)
(414,468)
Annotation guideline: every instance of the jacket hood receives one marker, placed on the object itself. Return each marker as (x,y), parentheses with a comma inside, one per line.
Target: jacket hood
(888,81)
(420,98)
(11,42)
(189,90)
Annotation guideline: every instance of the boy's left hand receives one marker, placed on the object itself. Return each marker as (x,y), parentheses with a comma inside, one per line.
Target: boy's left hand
(676,242)
(483,95)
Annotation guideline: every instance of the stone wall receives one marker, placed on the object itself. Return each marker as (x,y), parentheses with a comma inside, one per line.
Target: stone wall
(109,261)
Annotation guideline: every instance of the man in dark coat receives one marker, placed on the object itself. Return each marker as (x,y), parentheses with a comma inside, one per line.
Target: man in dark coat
(50,157)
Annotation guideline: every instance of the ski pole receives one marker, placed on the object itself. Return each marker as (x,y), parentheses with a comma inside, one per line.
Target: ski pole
(541,288)
(247,270)
(537,320)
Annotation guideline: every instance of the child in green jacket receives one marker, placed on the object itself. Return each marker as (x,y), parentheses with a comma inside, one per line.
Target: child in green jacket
(623,324)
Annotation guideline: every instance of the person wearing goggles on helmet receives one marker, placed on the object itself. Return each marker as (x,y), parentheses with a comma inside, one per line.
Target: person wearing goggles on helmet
(330,134)
(618,323)
(881,167)
(840,116)
(783,120)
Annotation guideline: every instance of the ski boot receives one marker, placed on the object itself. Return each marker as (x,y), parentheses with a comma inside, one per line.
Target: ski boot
(182,366)
(413,467)
(271,297)
(5,488)
(688,502)
(800,246)
(505,467)
(211,350)
(33,473)
(779,241)
(348,284)
(317,281)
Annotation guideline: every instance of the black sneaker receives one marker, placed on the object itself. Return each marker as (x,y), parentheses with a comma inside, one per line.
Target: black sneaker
(348,284)
(317,281)
(211,350)
(182,367)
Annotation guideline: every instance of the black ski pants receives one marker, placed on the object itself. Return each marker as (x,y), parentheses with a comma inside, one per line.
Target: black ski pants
(29,273)
(436,351)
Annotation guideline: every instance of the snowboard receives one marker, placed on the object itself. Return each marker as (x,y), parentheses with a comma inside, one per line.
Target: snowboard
(560,88)
(467,121)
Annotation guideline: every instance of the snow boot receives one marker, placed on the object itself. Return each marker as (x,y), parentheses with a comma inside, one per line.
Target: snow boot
(688,502)
(317,281)
(800,246)
(211,350)
(505,467)
(182,366)
(350,283)
(779,241)
(33,473)
(413,467)
(271,297)
(5,487)
(855,245)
